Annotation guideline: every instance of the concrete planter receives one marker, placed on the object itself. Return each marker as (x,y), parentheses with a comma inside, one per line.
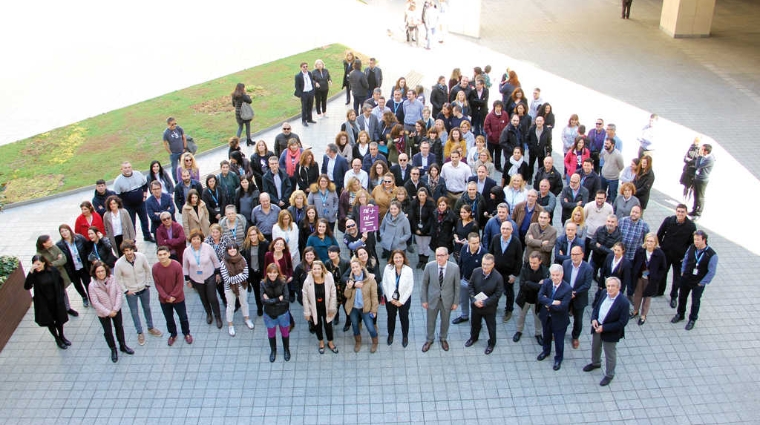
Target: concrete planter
(14,302)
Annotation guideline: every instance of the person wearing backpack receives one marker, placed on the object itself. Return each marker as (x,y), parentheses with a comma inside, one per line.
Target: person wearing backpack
(243,112)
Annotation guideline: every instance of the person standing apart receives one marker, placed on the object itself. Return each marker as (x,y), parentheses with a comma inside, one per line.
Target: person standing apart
(167,276)
(485,288)
(48,300)
(704,166)
(322,81)
(106,300)
(699,266)
(304,82)
(359,85)
(131,273)
(626,9)
(239,96)
(608,322)
(175,143)
(440,294)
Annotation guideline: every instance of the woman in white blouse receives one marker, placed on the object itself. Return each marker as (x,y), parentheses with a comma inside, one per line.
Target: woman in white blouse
(287,229)
(398,284)
(117,223)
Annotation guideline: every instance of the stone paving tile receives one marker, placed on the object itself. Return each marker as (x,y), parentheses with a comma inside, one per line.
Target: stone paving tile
(665,375)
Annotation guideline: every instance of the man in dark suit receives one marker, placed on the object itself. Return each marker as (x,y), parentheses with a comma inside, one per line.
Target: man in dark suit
(565,243)
(478,100)
(305,91)
(369,123)
(424,158)
(484,282)
(554,296)
(608,321)
(578,274)
(572,196)
(439,294)
(508,252)
(335,166)
(616,265)
(675,236)
(485,184)
(402,170)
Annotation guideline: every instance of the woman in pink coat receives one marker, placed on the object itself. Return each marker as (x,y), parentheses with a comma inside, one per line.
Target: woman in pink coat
(575,156)
(106,299)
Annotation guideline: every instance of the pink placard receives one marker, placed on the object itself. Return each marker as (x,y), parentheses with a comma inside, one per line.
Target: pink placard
(368,218)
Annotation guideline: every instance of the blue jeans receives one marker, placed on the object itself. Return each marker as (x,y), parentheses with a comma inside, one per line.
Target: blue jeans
(356,316)
(283,320)
(174,158)
(144,297)
(613,189)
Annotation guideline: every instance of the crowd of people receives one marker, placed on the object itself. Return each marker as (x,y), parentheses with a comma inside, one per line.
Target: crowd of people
(421,172)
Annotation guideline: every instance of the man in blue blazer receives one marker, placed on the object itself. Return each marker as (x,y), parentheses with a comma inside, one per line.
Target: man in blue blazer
(337,163)
(579,275)
(423,153)
(608,321)
(554,296)
(566,242)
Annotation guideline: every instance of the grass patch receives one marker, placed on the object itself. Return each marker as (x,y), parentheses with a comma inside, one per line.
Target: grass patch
(78,154)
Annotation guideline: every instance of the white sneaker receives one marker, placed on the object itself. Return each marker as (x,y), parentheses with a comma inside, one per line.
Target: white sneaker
(232,330)
(249,324)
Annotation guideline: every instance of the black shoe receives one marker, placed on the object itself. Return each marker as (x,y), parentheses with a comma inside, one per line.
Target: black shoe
(311,121)
(690,325)
(542,356)
(673,302)
(304,124)
(126,350)
(149,239)
(60,344)
(347,326)
(557,364)
(292,297)
(677,318)
(259,313)
(410,249)
(404,342)
(459,320)
(218,322)
(605,381)
(72,312)
(489,349)
(114,355)
(517,336)
(589,367)
(540,340)
(390,339)
(470,342)
(65,341)
(209,319)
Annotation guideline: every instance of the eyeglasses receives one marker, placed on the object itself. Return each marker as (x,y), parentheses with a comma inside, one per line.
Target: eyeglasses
(166,219)
(387,181)
(285,128)
(350,226)
(188,160)
(599,123)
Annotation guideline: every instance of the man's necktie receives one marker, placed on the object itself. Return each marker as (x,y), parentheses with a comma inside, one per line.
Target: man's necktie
(554,290)
(440,276)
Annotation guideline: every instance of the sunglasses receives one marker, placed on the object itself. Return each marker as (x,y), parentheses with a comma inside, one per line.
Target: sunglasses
(166,219)
(350,226)
(387,181)
(285,128)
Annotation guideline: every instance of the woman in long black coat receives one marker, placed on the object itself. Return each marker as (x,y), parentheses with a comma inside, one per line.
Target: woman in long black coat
(644,181)
(49,305)
(444,221)
(421,219)
(649,268)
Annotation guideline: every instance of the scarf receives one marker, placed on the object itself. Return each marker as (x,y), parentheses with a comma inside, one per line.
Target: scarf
(235,265)
(400,144)
(291,160)
(352,128)
(441,216)
(515,165)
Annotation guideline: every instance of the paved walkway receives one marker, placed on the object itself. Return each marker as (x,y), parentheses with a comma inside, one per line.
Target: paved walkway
(620,70)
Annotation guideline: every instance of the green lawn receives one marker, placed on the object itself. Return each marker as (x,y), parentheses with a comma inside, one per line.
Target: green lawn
(78,154)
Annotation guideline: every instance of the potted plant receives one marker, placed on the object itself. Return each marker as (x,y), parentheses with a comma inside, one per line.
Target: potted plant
(14,299)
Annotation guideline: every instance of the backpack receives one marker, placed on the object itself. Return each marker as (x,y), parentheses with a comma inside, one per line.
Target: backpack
(246,111)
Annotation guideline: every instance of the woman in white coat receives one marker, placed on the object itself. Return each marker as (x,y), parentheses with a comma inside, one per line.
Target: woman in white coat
(398,284)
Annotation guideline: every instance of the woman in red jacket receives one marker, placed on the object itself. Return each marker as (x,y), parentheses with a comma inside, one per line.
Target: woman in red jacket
(496,121)
(575,156)
(88,218)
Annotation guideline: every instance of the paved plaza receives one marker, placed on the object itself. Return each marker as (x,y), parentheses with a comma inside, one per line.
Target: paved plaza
(587,61)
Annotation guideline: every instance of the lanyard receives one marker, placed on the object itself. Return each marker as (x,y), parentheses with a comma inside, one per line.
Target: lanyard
(213,195)
(698,258)
(398,277)
(197,255)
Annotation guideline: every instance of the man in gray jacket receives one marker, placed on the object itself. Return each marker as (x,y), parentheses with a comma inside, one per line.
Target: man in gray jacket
(440,293)
(705,163)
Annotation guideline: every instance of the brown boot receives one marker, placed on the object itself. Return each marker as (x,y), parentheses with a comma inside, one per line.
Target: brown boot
(373,348)
(357,343)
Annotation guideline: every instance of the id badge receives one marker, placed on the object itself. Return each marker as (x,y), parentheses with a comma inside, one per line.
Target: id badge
(199,272)
(419,225)
(645,274)
(695,271)
(325,212)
